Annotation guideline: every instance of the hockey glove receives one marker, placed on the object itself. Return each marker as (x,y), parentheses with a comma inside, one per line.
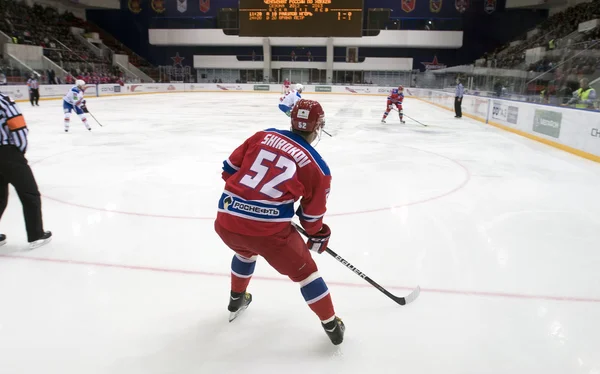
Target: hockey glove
(319,241)
(84,108)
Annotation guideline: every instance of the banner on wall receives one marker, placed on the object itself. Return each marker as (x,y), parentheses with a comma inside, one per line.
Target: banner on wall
(461,5)
(489,6)
(158,6)
(547,122)
(181,6)
(204,6)
(262,87)
(15,92)
(323,89)
(435,6)
(505,112)
(408,5)
(135,6)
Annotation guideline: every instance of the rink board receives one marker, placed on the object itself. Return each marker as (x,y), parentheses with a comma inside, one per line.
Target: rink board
(572,130)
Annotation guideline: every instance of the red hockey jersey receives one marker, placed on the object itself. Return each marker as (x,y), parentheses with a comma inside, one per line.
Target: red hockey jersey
(265,176)
(395,97)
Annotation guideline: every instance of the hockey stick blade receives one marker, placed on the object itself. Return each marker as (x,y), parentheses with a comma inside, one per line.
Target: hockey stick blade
(420,123)
(95,119)
(399,300)
(407,116)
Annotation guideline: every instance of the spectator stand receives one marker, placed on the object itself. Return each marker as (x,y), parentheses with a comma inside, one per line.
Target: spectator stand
(64,44)
(562,69)
(179,74)
(117,47)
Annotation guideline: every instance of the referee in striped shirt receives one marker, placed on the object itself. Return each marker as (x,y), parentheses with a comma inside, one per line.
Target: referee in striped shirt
(15,170)
(34,90)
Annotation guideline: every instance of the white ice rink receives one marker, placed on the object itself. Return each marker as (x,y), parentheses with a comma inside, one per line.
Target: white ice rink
(502,233)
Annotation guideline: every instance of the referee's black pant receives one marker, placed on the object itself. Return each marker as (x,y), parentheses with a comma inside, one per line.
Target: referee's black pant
(457,106)
(34,95)
(15,170)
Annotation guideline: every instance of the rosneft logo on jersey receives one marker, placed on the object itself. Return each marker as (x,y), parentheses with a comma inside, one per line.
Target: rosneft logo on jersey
(227,202)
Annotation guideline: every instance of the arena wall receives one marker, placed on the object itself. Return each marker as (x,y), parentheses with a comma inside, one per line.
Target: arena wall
(385,39)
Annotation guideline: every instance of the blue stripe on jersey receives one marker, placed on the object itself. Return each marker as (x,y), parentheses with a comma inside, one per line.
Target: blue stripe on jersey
(306,217)
(313,152)
(244,269)
(298,94)
(258,210)
(227,168)
(314,290)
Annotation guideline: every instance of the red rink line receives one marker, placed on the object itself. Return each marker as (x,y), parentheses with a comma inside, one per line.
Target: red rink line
(341,284)
(467,178)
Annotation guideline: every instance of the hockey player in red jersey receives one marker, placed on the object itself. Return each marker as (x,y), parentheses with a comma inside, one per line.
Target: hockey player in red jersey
(264,177)
(287,86)
(395,98)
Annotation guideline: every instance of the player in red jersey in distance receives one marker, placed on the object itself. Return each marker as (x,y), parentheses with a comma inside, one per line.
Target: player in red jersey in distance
(395,98)
(264,177)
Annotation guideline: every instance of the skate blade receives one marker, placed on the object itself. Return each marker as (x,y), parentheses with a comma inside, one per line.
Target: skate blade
(39,243)
(234,315)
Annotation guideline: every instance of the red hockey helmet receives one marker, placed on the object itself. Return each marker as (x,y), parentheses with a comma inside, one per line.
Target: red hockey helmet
(308,116)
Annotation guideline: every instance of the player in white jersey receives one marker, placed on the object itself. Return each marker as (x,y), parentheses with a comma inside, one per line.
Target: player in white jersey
(73,100)
(288,102)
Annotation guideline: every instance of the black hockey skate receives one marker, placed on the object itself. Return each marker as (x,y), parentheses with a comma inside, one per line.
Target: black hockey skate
(238,303)
(46,238)
(2,239)
(335,330)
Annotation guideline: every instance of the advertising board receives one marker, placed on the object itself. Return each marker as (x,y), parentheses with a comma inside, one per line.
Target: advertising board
(503,111)
(322,88)
(547,122)
(262,87)
(15,92)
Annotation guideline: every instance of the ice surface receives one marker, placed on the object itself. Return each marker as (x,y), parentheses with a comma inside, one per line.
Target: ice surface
(500,232)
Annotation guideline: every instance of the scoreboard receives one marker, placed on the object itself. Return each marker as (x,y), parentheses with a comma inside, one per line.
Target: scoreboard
(305,18)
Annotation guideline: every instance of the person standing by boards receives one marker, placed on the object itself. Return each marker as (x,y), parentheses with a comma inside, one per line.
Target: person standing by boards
(34,90)
(460,90)
(584,97)
(15,170)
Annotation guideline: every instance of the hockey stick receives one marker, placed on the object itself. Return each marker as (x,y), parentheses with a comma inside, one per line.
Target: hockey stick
(422,124)
(399,300)
(331,136)
(90,113)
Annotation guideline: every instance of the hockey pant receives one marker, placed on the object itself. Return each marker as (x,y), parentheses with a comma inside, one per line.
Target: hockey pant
(389,109)
(15,170)
(67,108)
(285,109)
(285,251)
(34,95)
